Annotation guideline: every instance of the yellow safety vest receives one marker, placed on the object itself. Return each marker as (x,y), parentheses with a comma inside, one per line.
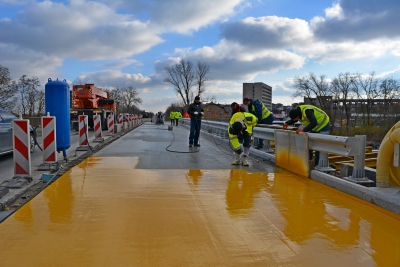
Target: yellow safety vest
(265,111)
(249,121)
(178,115)
(320,115)
(172,115)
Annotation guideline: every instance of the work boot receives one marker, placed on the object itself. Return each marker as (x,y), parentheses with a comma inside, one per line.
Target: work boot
(246,154)
(236,159)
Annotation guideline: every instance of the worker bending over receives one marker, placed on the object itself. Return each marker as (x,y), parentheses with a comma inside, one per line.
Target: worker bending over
(314,120)
(240,130)
(264,116)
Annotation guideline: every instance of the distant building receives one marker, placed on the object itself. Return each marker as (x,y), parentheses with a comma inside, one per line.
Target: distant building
(217,112)
(280,111)
(260,91)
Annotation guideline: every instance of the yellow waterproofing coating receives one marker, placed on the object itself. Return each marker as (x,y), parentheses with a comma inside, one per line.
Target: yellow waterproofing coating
(105,212)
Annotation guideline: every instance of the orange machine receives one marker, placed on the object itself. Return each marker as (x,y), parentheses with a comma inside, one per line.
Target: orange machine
(87,99)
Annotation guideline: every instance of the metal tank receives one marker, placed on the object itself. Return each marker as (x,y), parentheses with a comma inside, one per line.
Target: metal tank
(57,102)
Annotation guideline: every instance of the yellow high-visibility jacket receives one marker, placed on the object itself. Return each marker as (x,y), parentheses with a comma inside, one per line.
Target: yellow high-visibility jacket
(249,121)
(320,115)
(172,115)
(178,115)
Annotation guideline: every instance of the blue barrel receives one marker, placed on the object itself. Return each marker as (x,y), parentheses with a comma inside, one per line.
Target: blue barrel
(58,105)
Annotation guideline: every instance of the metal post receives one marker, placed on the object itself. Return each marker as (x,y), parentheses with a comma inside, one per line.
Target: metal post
(359,160)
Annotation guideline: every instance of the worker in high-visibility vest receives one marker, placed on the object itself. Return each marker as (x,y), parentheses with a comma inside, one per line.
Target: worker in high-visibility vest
(172,117)
(178,115)
(264,116)
(240,130)
(313,119)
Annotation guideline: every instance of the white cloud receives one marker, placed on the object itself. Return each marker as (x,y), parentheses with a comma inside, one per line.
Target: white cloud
(334,12)
(179,16)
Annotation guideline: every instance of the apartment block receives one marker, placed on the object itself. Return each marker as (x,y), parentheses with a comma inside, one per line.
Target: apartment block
(260,91)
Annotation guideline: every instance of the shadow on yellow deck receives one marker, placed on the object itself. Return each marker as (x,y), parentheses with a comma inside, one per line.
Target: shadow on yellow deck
(104,212)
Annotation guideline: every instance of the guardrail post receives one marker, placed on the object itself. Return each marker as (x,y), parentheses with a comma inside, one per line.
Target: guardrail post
(359,160)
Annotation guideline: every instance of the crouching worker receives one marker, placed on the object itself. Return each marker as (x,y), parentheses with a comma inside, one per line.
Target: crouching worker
(240,131)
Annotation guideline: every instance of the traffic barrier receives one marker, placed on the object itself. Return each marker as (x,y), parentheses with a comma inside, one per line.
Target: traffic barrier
(49,139)
(125,123)
(120,120)
(83,131)
(21,148)
(110,123)
(98,134)
(130,120)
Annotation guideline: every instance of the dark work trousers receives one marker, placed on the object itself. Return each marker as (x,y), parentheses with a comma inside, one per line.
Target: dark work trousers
(244,139)
(195,126)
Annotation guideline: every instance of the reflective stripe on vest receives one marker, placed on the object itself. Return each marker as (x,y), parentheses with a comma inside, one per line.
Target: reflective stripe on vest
(320,115)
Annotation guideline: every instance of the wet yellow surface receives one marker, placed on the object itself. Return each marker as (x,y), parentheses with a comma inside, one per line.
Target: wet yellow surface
(105,212)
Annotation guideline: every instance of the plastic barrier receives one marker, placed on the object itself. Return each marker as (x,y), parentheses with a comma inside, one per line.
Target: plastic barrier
(110,123)
(83,131)
(21,147)
(98,134)
(120,120)
(49,139)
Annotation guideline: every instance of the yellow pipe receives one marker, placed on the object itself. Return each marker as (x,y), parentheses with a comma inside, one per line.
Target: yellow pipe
(384,165)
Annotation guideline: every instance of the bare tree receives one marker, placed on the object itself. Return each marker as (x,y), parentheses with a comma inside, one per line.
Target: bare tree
(313,87)
(131,98)
(389,89)
(183,76)
(126,99)
(366,88)
(202,77)
(29,92)
(8,89)
(342,86)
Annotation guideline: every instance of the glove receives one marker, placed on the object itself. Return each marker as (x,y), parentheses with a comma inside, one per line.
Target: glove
(299,131)
(195,113)
(202,113)
(285,126)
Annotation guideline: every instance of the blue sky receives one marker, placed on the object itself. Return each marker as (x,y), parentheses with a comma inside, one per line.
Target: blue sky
(126,42)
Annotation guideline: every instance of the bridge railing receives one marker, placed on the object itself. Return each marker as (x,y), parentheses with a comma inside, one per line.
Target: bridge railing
(340,145)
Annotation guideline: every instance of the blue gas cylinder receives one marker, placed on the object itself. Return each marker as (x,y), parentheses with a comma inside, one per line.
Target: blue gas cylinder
(57,103)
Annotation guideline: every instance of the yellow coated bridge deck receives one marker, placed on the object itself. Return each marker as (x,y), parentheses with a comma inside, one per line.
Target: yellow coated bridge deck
(136,204)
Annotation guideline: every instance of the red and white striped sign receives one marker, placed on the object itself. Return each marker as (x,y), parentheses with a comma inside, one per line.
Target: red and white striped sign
(110,122)
(97,126)
(120,120)
(49,139)
(83,130)
(21,146)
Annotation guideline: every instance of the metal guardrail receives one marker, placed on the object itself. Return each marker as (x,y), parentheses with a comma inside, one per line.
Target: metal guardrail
(340,145)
